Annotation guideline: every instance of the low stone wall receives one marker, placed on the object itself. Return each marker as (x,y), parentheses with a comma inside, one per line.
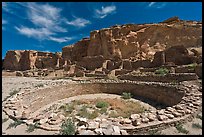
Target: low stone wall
(188,94)
(178,77)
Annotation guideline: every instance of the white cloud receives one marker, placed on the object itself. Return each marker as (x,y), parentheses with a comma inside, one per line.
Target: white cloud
(151,3)
(157,5)
(105,11)
(41,34)
(3,24)
(38,33)
(79,22)
(45,16)
(61,40)
(47,22)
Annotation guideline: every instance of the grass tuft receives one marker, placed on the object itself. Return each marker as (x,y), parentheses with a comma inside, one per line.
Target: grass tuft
(197,125)
(15,124)
(181,129)
(126,95)
(68,127)
(162,71)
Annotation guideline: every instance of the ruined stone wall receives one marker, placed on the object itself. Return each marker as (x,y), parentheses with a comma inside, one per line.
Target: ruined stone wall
(172,78)
(31,59)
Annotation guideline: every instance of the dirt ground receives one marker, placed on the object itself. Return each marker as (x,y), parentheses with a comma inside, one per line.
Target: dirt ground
(10,83)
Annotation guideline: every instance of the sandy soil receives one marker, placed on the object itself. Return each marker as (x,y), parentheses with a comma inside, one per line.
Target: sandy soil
(10,83)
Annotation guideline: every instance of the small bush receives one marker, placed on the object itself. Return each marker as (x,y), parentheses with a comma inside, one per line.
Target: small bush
(197,125)
(84,113)
(15,124)
(126,95)
(68,108)
(199,116)
(102,104)
(192,66)
(68,127)
(162,71)
(39,85)
(113,114)
(15,91)
(103,110)
(154,132)
(4,120)
(31,127)
(181,129)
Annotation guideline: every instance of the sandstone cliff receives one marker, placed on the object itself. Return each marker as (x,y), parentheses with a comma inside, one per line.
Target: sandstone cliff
(127,46)
(31,59)
(139,41)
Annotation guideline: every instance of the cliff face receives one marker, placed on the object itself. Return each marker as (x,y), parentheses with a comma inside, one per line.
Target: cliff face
(138,41)
(135,42)
(30,59)
(142,41)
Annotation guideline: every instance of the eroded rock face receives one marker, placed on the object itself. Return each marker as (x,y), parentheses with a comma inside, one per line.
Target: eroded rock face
(172,40)
(91,62)
(179,55)
(77,51)
(12,58)
(142,41)
(31,59)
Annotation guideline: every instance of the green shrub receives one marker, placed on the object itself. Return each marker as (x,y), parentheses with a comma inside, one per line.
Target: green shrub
(84,113)
(15,91)
(15,124)
(126,95)
(68,108)
(192,66)
(199,116)
(154,132)
(68,127)
(39,85)
(4,120)
(102,104)
(197,125)
(103,110)
(181,129)
(162,71)
(31,127)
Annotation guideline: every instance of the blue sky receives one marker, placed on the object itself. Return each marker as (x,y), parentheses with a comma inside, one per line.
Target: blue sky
(49,26)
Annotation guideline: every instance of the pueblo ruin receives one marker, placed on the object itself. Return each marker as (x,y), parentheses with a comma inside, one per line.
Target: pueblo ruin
(159,64)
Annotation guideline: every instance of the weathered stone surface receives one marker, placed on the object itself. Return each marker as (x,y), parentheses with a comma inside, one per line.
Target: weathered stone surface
(98,131)
(107,131)
(139,40)
(91,62)
(176,114)
(170,116)
(127,65)
(162,117)
(145,120)
(198,70)
(133,42)
(18,73)
(151,117)
(134,116)
(43,121)
(86,132)
(125,121)
(136,122)
(116,130)
(93,125)
(31,59)
(123,132)
(76,51)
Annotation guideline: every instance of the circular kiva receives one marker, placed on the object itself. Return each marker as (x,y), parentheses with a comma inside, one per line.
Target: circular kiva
(181,100)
